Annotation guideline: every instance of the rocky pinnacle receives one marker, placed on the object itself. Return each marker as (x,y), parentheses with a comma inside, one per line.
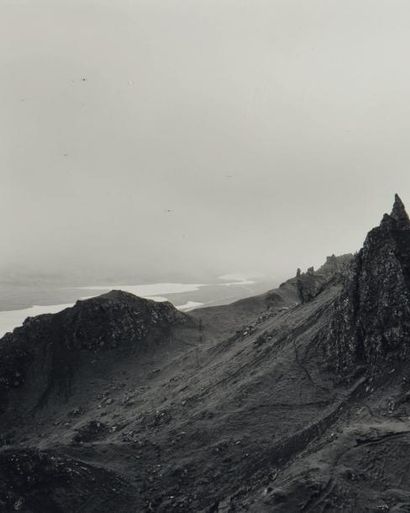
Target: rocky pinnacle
(370,323)
(399,213)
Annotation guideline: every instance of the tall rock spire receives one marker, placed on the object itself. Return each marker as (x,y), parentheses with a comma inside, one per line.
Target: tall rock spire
(371,319)
(399,213)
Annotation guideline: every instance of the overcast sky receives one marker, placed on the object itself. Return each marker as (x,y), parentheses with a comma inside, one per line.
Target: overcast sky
(199,136)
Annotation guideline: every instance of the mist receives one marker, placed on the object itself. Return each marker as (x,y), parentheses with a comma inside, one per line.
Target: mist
(192,138)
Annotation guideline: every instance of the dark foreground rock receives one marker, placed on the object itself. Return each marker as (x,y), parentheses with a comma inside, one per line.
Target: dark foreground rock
(42,359)
(32,480)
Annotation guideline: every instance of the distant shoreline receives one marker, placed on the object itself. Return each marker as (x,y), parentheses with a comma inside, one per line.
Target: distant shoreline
(185,296)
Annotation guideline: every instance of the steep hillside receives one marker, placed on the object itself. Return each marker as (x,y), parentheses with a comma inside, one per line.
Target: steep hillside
(293,401)
(360,463)
(246,313)
(53,358)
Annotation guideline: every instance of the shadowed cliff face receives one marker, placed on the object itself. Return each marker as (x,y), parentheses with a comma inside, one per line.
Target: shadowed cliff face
(44,355)
(371,320)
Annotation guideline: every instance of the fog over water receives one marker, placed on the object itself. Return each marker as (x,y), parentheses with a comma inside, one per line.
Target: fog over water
(185,296)
(180,139)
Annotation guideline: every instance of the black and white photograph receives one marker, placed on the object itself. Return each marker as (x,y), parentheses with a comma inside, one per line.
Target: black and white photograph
(205,256)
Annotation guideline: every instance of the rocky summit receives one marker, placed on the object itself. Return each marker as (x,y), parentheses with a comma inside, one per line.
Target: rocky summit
(296,400)
(371,320)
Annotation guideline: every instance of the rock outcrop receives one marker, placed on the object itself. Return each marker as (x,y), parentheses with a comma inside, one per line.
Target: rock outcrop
(312,283)
(46,350)
(370,325)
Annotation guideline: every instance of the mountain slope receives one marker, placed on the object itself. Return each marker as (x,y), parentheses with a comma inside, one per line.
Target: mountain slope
(278,403)
(361,463)
(246,313)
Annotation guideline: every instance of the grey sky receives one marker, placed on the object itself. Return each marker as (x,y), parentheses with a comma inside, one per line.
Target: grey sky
(276,132)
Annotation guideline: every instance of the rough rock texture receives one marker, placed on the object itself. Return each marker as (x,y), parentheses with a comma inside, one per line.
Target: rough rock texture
(122,405)
(34,480)
(312,283)
(371,320)
(47,350)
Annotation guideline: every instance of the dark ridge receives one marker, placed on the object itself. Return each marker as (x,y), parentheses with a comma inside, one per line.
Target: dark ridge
(45,352)
(311,283)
